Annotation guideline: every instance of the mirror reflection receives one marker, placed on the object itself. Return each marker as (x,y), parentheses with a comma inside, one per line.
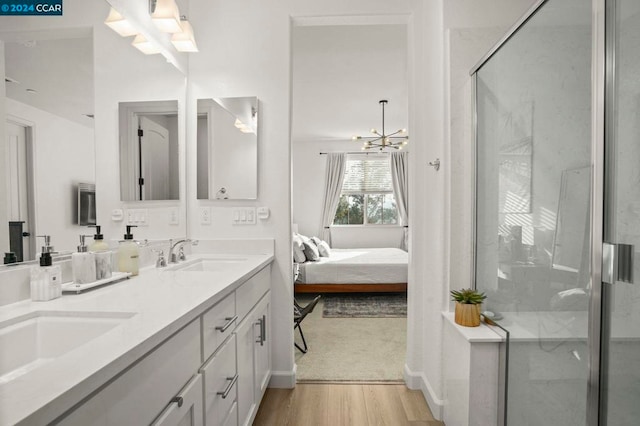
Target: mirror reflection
(44,122)
(227,148)
(149,150)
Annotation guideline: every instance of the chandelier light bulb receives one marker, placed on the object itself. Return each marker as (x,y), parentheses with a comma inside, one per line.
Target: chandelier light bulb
(374,131)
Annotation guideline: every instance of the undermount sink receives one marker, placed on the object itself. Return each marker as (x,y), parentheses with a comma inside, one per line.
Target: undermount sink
(209,264)
(37,338)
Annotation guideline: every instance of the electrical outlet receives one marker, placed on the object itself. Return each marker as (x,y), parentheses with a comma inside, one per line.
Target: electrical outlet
(205,215)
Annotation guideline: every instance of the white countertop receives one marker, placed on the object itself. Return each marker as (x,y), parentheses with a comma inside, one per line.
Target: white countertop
(163,302)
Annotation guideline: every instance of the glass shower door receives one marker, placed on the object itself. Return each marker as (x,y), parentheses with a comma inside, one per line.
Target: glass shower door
(620,375)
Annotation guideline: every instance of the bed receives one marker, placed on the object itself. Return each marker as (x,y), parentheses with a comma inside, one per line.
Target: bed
(355,270)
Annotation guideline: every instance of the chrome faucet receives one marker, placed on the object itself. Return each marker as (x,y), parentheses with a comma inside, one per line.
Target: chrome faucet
(180,256)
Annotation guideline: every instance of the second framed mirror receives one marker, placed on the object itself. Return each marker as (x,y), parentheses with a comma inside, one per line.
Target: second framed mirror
(227,148)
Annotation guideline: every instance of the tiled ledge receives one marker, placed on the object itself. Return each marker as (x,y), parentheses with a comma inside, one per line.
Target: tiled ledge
(481,334)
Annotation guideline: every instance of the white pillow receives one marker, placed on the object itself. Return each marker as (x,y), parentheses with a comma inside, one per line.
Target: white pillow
(298,249)
(324,249)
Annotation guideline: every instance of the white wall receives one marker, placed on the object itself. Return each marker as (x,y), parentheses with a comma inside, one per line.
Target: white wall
(129,77)
(57,176)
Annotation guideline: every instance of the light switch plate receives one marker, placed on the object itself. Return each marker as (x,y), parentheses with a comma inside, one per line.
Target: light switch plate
(244,216)
(174,218)
(205,215)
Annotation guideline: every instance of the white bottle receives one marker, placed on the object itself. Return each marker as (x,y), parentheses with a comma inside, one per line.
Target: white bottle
(128,253)
(102,254)
(83,263)
(46,279)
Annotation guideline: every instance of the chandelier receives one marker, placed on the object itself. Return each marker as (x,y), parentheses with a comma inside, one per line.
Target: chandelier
(382,140)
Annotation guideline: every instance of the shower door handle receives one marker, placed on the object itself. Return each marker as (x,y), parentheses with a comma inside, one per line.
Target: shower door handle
(617,263)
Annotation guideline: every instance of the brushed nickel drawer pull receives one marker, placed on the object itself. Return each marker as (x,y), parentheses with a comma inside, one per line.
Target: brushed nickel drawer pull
(230,320)
(233,381)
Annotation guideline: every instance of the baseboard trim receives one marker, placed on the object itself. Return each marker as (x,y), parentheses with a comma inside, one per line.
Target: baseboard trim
(283,379)
(415,381)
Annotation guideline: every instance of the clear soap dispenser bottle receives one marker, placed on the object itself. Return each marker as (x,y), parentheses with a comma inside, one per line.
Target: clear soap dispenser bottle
(128,253)
(83,263)
(46,279)
(102,254)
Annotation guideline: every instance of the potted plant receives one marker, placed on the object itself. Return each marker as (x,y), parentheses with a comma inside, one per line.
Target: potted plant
(468,303)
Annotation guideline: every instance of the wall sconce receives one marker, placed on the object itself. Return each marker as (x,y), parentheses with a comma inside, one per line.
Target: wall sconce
(165,15)
(184,41)
(117,23)
(145,46)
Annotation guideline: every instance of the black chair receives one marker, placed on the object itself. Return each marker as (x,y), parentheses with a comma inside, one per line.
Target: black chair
(299,314)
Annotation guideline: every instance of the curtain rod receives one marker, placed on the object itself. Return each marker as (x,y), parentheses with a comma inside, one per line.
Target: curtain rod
(357,153)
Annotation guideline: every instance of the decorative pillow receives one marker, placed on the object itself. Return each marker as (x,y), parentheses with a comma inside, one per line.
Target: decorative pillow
(298,249)
(311,251)
(324,249)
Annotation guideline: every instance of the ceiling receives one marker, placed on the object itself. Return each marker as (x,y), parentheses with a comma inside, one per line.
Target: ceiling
(340,72)
(60,70)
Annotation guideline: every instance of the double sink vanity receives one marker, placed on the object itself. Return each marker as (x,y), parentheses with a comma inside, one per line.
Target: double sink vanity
(188,342)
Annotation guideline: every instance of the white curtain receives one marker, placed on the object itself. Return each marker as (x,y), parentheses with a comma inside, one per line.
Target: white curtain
(332,188)
(400,182)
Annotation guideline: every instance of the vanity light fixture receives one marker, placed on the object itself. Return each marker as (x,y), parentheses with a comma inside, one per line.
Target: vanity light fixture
(119,24)
(382,140)
(165,15)
(184,41)
(145,46)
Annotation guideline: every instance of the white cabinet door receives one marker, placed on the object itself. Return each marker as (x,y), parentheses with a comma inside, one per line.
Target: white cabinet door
(245,364)
(186,408)
(262,346)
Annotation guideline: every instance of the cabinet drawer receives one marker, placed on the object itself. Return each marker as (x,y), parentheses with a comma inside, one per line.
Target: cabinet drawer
(137,396)
(248,294)
(217,324)
(220,387)
(185,408)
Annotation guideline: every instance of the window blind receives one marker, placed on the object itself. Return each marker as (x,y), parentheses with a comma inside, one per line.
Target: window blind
(367,175)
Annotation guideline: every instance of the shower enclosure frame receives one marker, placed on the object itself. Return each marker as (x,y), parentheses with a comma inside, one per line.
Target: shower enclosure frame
(602,85)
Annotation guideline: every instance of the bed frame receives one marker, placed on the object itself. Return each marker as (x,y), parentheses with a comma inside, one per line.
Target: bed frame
(350,288)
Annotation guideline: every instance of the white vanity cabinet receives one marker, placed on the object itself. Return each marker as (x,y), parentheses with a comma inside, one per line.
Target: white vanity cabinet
(254,360)
(212,372)
(142,392)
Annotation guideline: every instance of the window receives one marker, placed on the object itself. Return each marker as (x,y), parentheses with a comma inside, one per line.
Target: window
(367,194)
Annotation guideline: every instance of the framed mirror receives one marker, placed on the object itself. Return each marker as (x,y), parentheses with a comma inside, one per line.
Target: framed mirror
(149,168)
(227,146)
(48,139)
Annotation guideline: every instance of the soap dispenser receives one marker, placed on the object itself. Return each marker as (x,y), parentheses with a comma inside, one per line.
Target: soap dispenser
(83,263)
(128,253)
(46,279)
(102,254)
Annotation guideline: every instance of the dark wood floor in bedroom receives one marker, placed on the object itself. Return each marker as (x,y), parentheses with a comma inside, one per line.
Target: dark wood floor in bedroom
(345,404)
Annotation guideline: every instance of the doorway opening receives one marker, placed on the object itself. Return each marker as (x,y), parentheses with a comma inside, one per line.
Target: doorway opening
(340,72)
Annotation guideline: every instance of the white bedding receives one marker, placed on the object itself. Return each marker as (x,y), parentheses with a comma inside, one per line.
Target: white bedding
(357,266)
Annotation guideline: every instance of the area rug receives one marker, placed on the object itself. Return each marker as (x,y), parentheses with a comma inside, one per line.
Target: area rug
(376,305)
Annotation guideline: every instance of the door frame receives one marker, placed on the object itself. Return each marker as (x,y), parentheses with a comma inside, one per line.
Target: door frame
(29,128)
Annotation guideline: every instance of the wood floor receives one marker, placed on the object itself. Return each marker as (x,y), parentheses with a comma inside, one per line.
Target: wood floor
(344,404)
